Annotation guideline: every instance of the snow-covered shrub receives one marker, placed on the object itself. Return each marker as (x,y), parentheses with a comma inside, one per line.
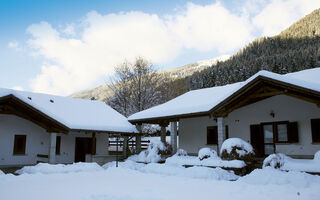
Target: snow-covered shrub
(236,149)
(181,152)
(46,168)
(275,160)
(150,129)
(156,149)
(1,173)
(207,152)
(317,156)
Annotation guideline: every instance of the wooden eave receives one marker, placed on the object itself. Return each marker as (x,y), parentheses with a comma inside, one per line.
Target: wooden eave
(167,119)
(107,132)
(261,88)
(14,106)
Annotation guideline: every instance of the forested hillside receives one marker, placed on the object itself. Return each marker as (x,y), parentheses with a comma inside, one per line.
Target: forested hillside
(294,49)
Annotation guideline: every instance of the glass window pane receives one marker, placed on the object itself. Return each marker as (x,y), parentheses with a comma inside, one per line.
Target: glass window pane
(268,149)
(268,133)
(282,133)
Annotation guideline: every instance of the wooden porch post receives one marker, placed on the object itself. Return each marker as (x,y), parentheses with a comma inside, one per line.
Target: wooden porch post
(93,143)
(52,148)
(138,138)
(173,136)
(163,134)
(125,146)
(221,132)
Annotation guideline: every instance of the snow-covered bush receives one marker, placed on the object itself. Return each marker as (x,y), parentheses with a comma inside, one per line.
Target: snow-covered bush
(317,156)
(236,149)
(150,129)
(1,173)
(154,153)
(46,168)
(181,152)
(207,152)
(275,160)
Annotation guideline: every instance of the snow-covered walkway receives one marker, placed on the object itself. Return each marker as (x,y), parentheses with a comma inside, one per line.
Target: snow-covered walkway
(156,181)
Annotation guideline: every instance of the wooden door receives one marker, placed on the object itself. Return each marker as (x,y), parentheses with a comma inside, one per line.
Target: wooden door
(83,146)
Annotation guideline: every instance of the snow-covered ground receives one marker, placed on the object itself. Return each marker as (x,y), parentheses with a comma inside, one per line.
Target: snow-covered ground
(155,181)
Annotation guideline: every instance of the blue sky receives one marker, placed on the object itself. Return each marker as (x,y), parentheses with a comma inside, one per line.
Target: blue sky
(61,47)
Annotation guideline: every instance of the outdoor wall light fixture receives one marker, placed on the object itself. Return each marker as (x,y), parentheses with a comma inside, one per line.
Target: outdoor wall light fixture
(272,113)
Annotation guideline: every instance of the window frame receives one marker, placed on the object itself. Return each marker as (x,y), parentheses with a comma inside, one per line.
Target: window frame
(15,143)
(275,131)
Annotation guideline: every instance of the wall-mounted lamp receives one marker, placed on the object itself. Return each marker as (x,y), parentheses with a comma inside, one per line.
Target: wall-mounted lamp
(272,114)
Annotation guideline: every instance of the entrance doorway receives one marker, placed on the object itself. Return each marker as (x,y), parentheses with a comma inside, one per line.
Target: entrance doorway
(262,139)
(83,147)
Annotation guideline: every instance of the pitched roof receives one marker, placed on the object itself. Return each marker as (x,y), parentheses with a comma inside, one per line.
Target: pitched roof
(202,101)
(75,114)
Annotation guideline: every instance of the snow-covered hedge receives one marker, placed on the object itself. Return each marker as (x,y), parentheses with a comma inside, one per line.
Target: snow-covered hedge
(275,160)
(154,153)
(236,149)
(46,168)
(181,152)
(207,152)
(317,156)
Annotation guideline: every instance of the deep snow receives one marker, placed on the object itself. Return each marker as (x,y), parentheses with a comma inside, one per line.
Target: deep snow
(155,181)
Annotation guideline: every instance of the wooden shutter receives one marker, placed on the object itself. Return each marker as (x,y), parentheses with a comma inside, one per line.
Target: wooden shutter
(19,144)
(293,136)
(227,132)
(256,138)
(315,129)
(58,145)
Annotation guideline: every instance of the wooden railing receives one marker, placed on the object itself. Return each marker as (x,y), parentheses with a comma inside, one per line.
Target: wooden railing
(131,143)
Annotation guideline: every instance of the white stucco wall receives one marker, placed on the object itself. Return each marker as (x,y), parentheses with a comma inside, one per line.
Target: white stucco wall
(286,108)
(193,131)
(37,142)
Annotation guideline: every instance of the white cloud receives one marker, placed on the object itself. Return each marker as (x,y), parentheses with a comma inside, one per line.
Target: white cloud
(14,45)
(210,27)
(78,61)
(280,14)
(69,30)
(17,88)
(106,40)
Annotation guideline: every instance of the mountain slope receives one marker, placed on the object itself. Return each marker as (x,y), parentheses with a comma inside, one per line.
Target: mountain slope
(294,49)
(102,92)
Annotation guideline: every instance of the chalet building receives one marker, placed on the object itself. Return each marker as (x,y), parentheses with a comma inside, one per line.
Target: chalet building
(275,113)
(45,128)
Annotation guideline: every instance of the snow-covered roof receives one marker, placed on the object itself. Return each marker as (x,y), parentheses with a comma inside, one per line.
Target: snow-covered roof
(76,114)
(203,100)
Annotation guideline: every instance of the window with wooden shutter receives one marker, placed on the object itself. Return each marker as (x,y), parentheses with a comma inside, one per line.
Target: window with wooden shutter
(212,135)
(19,147)
(315,130)
(58,145)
